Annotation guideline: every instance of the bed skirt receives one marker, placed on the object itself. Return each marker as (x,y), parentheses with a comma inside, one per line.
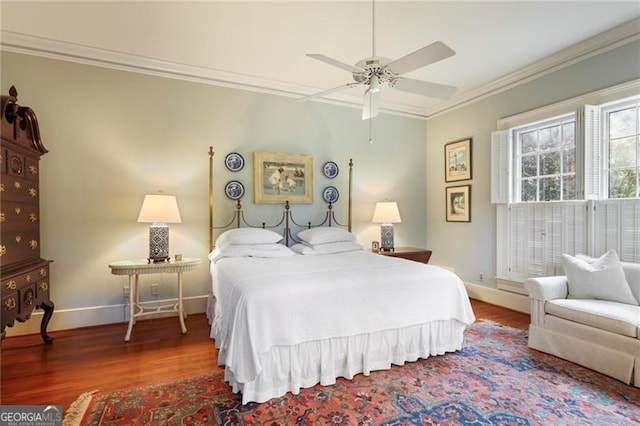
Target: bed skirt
(290,368)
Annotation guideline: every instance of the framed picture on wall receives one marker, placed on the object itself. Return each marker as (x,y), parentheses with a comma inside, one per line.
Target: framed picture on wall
(282,177)
(457,160)
(458,203)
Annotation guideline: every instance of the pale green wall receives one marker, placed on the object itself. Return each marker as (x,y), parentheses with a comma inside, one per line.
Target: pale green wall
(115,136)
(470,247)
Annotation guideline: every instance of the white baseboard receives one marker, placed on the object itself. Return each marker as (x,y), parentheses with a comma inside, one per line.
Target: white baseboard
(516,302)
(66,319)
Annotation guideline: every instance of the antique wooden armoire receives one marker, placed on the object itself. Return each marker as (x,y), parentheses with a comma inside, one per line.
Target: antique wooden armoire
(24,275)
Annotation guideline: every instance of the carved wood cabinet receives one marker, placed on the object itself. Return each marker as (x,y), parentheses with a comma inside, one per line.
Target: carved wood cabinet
(24,275)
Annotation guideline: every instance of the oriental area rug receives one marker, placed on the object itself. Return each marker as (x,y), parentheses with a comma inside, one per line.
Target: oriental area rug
(494,380)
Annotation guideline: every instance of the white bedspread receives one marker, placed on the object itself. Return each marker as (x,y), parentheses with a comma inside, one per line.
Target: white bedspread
(261,304)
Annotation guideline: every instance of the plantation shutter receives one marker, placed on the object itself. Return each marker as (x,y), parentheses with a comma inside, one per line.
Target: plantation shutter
(541,232)
(630,231)
(517,240)
(565,233)
(617,224)
(606,227)
(537,234)
(500,167)
(592,152)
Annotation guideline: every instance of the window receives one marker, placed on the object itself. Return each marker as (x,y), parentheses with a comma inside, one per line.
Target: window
(545,160)
(566,179)
(621,141)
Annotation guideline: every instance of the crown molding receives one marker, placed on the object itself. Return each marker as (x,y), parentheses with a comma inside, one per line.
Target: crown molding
(38,46)
(609,40)
(54,49)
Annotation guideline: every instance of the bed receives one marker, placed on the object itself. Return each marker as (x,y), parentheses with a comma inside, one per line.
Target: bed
(285,318)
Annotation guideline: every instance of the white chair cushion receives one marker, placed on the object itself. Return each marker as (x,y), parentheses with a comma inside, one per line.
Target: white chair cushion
(603,279)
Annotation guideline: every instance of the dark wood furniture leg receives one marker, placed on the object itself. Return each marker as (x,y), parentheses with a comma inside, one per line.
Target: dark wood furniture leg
(48,312)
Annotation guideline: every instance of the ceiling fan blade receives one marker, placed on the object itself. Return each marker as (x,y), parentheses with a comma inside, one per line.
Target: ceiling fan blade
(371,103)
(335,63)
(424,88)
(326,92)
(427,55)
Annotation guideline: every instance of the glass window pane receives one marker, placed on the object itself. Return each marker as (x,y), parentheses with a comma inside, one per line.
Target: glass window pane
(569,160)
(529,142)
(569,134)
(622,152)
(529,190)
(622,123)
(622,183)
(569,187)
(550,189)
(529,166)
(550,163)
(549,137)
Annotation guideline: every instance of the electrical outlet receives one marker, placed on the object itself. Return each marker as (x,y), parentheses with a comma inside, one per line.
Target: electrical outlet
(125,292)
(155,289)
(481,276)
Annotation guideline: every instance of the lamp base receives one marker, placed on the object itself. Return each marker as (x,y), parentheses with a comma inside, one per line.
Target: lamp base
(386,237)
(158,243)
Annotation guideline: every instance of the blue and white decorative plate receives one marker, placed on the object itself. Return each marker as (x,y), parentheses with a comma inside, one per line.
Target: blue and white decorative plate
(234,161)
(234,190)
(330,194)
(330,169)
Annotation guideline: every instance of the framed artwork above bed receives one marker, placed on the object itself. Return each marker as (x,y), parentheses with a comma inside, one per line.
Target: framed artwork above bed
(282,177)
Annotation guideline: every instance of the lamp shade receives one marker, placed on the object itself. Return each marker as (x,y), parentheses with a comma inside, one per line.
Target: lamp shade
(158,208)
(386,212)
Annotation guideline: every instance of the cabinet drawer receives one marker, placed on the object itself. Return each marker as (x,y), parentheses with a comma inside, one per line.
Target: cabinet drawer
(12,283)
(19,216)
(19,189)
(18,246)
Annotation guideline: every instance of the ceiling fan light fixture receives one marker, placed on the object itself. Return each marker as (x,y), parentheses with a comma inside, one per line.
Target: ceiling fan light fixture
(374,85)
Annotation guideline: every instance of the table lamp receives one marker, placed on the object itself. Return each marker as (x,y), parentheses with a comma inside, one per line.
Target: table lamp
(386,213)
(159,209)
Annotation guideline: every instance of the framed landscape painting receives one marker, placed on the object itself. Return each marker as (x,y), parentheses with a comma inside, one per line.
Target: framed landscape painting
(458,201)
(282,177)
(457,160)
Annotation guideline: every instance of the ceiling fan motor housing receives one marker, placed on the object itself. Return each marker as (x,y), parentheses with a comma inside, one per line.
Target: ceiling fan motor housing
(376,65)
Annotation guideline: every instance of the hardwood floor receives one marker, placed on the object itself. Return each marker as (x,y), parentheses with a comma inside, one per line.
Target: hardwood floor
(85,359)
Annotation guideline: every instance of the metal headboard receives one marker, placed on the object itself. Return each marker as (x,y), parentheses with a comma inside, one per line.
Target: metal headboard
(287,216)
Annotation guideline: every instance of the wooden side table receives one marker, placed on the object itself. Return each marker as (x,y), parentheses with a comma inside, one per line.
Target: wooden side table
(409,253)
(135,268)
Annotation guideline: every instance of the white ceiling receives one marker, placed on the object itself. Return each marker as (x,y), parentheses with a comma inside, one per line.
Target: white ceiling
(262,45)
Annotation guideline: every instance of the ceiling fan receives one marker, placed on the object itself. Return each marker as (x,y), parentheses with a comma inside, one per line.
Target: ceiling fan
(375,71)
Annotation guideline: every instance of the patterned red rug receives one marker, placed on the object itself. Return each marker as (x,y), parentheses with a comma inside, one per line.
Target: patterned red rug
(494,380)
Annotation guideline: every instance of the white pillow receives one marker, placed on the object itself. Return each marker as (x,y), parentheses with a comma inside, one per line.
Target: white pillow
(327,248)
(602,279)
(247,236)
(631,272)
(251,250)
(325,235)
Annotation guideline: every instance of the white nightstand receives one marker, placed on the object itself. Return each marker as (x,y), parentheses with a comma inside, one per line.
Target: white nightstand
(135,268)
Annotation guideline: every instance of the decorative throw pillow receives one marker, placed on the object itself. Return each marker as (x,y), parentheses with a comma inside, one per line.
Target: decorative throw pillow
(325,235)
(602,279)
